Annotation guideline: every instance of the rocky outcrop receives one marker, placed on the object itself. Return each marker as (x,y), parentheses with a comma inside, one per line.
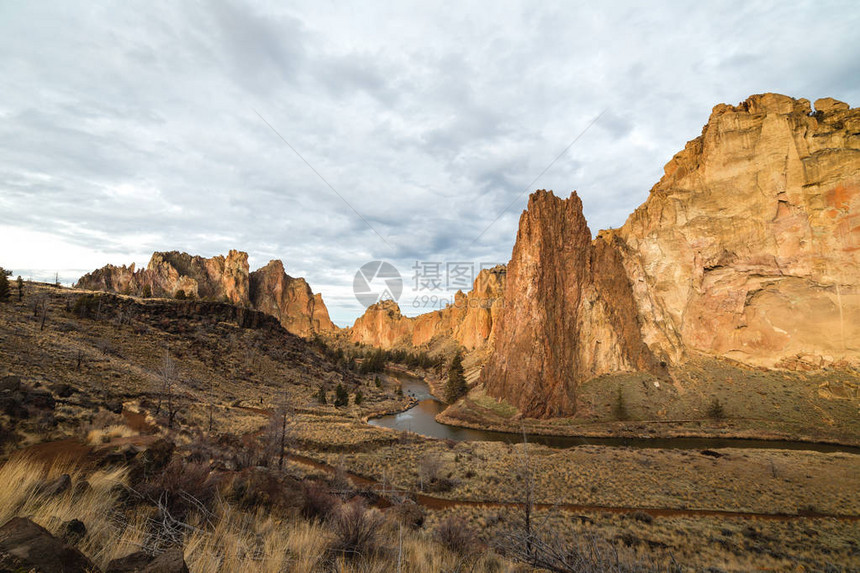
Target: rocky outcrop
(221,278)
(746,249)
(215,278)
(290,300)
(469,321)
(569,312)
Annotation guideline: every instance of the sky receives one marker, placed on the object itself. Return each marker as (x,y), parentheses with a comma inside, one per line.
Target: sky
(331,134)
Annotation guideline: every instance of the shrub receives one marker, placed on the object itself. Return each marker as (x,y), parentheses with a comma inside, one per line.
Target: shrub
(356,530)
(716,410)
(341,397)
(147,291)
(359,397)
(181,488)
(318,503)
(180,295)
(455,535)
(20,288)
(321,395)
(409,514)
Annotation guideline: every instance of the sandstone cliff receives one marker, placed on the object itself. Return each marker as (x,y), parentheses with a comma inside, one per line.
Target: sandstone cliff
(290,300)
(269,289)
(469,321)
(746,249)
(568,312)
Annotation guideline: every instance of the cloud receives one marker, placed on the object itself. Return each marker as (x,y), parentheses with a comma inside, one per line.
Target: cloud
(131,128)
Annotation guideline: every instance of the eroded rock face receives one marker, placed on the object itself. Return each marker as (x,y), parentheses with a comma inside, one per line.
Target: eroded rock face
(568,315)
(748,246)
(228,278)
(470,320)
(221,278)
(746,249)
(290,300)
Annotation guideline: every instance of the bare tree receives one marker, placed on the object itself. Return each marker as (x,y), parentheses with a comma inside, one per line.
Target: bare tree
(428,469)
(279,431)
(167,397)
(40,310)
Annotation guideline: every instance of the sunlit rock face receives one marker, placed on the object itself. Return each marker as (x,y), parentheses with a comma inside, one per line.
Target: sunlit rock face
(268,289)
(746,249)
(290,300)
(469,321)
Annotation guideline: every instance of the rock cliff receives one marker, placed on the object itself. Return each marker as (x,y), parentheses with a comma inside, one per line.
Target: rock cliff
(290,300)
(469,321)
(746,249)
(269,289)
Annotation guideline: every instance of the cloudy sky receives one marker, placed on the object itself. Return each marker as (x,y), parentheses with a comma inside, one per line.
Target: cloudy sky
(128,127)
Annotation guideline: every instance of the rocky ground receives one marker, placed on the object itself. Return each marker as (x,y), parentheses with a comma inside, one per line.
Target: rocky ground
(87,390)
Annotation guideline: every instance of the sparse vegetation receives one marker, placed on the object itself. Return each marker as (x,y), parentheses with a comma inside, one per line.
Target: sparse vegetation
(180,295)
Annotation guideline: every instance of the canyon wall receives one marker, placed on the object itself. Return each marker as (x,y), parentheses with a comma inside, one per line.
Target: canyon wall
(268,289)
(746,249)
(469,321)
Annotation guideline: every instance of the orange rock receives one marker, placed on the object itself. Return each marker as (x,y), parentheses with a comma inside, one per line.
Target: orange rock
(744,250)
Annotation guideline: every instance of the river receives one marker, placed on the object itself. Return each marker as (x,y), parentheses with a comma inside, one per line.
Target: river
(421,419)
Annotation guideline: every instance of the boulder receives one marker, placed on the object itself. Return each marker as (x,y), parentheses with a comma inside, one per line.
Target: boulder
(171,561)
(26,546)
(74,531)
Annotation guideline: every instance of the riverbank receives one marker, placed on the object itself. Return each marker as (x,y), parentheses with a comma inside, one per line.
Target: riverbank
(752,404)
(455,416)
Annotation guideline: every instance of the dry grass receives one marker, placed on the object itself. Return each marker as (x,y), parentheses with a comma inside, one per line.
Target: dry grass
(94,506)
(105,435)
(230,540)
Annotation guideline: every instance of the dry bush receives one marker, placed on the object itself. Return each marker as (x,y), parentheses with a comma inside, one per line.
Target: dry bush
(319,503)
(357,530)
(455,535)
(180,488)
(409,514)
(262,489)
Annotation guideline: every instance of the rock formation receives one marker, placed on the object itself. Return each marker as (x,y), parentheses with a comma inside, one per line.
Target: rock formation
(167,273)
(469,320)
(746,249)
(290,300)
(268,289)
